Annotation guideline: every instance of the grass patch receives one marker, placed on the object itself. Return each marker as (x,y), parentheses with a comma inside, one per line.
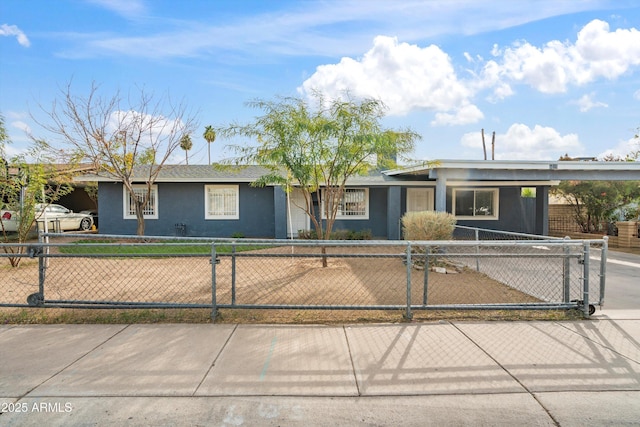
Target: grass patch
(34,315)
(166,248)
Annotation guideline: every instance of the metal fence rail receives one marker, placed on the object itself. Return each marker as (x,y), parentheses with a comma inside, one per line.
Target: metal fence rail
(99,271)
(462,232)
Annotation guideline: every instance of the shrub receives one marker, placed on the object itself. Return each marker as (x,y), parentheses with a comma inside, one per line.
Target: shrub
(428,225)
(337,235)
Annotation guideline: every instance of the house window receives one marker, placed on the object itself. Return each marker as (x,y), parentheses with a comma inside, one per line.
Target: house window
(528,192)
(354,204)
(150,209)
(221,202)
(475,203)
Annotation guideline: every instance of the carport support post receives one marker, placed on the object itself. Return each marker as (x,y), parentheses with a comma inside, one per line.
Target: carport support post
(408,314)
(585,274)
(603,268)
(214,303)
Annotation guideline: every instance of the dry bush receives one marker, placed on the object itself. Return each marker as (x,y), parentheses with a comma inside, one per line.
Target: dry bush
(428,225)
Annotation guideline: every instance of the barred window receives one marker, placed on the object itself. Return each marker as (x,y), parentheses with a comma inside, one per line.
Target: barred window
(150,209)
(354,204)
(221,202)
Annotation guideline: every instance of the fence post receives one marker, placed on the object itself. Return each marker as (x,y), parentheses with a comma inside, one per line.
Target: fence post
(566,273)
(426,275)
(603,267)
(408,314)
(477,232)
(42,269)
(214,302)
(233,274)
(585,278)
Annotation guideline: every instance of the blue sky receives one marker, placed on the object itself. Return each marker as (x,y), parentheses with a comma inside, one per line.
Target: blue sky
(549,77)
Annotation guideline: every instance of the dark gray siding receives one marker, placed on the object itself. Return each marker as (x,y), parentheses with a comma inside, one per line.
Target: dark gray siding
(377,221)
(183,203)
(263,212)
(515,213)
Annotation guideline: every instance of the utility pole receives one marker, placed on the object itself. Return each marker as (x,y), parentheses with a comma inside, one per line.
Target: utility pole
(493,146)
(484,146)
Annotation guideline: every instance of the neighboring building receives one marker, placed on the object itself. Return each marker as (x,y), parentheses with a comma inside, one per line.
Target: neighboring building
(198,200)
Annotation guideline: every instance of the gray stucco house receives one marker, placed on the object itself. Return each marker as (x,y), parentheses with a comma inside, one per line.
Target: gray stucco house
(198,200)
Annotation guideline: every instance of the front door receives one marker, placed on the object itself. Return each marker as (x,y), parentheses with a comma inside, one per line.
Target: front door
(419,199)
(297,218)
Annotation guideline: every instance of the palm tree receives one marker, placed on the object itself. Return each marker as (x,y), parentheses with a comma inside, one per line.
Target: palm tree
(210,136)
(186,145)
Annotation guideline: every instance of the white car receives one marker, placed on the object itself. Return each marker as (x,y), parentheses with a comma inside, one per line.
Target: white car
(57,217)
(8,221)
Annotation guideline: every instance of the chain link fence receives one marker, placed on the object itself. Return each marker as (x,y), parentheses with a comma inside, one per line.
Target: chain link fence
(593,255)
(98,271)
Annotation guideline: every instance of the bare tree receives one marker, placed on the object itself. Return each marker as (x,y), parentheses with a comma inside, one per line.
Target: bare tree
(127,138)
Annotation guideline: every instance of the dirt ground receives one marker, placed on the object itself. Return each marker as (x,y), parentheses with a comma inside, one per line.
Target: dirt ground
(365,276)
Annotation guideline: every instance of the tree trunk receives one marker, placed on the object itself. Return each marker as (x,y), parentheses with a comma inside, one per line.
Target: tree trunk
(140,218)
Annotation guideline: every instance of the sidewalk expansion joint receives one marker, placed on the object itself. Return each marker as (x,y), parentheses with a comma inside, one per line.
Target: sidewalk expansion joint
(353,366)
(215,360)
(529,392)
(73,362)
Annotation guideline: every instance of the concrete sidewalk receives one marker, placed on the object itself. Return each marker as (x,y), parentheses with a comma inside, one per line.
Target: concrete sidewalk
(446,373)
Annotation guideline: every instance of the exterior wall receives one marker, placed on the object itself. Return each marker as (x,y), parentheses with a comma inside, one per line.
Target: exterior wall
(183,203)
(394,212)
(515,213)
(377,221)
(263,212)
(280,213)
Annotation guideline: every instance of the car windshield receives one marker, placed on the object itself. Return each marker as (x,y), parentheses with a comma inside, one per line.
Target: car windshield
(57,209)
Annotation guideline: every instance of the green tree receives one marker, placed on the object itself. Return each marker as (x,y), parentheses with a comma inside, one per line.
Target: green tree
(186,145)
(594,202)
(317,147)
(210,136)
(23,184)
(126,138)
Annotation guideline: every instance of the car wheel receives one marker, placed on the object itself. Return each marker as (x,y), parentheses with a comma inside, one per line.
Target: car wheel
(85,224)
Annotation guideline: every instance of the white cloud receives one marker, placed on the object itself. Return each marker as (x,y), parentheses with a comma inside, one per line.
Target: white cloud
(405,77)
(623,148)
(128,8)
(597,53)
(464,115)
(19,124)
(301,28)
(520,142)
(153,131)
(408,77)
(13,30)
(585,103)
(636,94)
